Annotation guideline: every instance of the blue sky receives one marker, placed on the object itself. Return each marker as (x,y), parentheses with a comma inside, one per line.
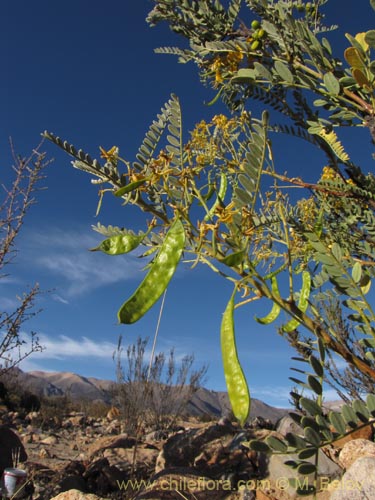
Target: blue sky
(86,71)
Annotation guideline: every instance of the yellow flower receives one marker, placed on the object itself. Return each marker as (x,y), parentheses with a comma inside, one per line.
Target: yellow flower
(328,174)
(110,155)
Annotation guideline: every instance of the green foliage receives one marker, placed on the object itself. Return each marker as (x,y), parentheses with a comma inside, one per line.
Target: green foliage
(218,198)
(317,427)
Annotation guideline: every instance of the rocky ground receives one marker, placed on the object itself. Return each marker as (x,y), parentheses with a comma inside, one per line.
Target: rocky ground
(83,458)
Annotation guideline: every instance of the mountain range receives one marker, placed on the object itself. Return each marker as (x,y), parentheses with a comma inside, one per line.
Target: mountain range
(203,402)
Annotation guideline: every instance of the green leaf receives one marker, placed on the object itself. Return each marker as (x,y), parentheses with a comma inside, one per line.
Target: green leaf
(260,446)
(336,251)
(296,441)
(276,444)
(283,71)
(331,83)
(244,75)
(361,411)
(357,272)
(315,385)
(322,350)
(262,72)
(307,453)
(312,436)
(310,406)
(370,400)
(370,38)
(349,415)
(306,468)
(337,421)
(372,3)
(233,259)
(316,365)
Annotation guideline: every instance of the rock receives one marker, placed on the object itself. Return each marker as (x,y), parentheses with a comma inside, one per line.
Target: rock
(50,440)
(10,444)
(181,450)
(358,482)
(106,442)
(355,449)
(286,425)
(278,483)
(364,433)
(103,478)
(76,495)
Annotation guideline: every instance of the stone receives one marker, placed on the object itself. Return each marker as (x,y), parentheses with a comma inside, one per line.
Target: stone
(355,449)
(287,424)
(358,482)
(364,433)
(76,495)
(50,440)
(278,483)
(10,446)
(101,444)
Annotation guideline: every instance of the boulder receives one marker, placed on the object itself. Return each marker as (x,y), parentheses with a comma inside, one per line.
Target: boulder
(215,451)
(76,495)
(358,482)
(366,432)
(103,443)
(278,484)
(355,449)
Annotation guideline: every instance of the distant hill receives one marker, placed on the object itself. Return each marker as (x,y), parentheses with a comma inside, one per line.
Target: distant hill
(203,402)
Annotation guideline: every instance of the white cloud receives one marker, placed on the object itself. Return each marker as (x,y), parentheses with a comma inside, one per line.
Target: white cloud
(63,347)
(60,299)
(65,256)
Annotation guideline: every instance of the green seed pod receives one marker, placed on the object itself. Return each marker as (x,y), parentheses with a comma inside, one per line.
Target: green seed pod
(275,311)
(158,277)
(238,390)
(119,244)
(129,187)
(255,24)
(255,45)
(220,196)
(303,301)
(261,34)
